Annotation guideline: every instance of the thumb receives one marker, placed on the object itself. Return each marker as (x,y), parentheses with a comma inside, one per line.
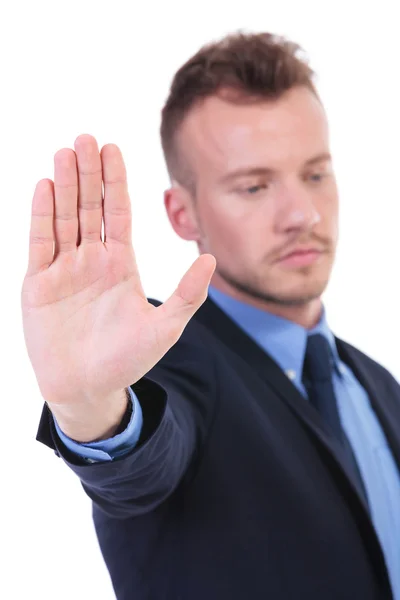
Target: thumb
(190,294)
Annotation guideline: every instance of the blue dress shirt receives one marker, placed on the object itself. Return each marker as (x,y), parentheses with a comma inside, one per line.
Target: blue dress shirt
(286,341)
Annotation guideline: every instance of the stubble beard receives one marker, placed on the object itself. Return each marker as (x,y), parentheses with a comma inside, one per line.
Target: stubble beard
(265,291)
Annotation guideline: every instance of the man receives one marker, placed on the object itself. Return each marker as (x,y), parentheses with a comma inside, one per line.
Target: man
(231,445)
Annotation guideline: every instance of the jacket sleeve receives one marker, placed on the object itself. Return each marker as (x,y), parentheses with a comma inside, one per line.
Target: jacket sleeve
(178,400)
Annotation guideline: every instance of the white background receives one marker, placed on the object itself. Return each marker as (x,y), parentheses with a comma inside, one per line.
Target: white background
(104,68)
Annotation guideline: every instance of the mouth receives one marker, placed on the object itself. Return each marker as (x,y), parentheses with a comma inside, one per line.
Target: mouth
(300,257)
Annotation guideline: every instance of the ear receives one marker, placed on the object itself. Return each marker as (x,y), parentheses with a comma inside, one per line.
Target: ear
(179,205)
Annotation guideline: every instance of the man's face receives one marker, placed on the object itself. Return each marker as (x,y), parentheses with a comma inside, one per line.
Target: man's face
(280,203)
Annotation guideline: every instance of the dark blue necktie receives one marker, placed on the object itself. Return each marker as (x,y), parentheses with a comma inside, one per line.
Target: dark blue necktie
(318,381)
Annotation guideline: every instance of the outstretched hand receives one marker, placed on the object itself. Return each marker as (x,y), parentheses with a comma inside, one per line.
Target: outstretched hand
(88,327)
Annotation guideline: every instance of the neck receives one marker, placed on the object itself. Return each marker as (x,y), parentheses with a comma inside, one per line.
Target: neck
(307,315)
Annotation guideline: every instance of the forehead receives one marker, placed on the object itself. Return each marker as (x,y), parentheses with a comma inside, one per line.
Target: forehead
(218,135)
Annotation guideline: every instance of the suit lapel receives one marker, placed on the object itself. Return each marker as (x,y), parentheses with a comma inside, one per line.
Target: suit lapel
(384,401)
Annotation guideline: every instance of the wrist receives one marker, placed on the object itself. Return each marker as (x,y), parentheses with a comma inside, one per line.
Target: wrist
(92,421)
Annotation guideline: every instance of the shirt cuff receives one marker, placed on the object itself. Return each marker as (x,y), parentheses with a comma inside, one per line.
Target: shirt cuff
(108,450)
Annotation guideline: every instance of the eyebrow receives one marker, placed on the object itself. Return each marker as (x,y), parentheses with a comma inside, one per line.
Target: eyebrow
(324,156)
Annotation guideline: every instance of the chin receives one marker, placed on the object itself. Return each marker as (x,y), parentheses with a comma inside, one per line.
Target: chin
(301,295)
(297,300)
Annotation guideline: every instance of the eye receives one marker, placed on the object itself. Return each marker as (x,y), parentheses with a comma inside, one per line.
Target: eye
(317,177)
(252,191)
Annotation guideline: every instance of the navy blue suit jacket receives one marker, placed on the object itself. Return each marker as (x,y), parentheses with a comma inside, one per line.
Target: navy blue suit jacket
(235,489)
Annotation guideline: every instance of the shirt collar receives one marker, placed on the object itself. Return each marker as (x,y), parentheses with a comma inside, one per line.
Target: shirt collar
(282,339)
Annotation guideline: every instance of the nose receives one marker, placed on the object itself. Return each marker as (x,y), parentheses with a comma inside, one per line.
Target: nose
(296,210)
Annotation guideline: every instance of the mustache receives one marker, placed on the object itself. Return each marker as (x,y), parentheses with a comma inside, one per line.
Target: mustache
(322,244)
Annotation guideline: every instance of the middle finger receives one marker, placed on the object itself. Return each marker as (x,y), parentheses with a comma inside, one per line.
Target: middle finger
(90,199)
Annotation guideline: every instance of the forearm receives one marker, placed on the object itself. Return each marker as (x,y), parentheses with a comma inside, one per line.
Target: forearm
(93,421)
(174,429)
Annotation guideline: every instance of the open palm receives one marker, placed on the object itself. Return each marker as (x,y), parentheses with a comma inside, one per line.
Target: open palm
(88,327)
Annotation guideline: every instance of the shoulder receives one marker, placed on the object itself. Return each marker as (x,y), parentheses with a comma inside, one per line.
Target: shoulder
(373,367)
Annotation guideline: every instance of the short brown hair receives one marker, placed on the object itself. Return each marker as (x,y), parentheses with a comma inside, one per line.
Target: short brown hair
(258,66)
